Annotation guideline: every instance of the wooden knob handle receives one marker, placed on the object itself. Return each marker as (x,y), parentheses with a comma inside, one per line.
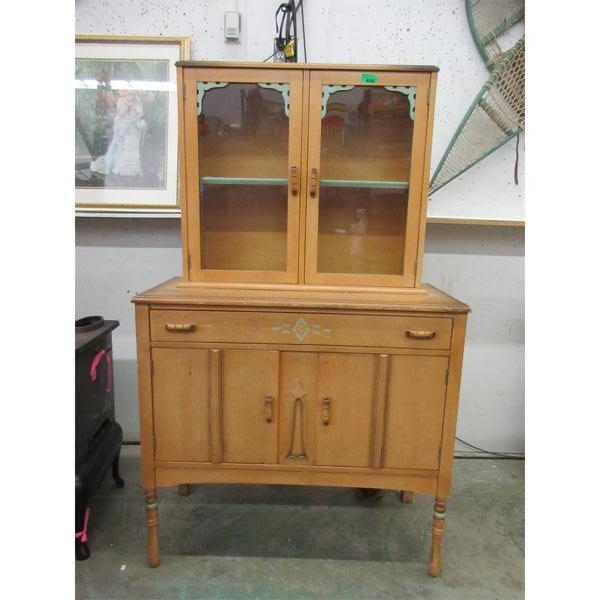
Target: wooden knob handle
(268,409)
(420,334)
(326,415)
(294,180)
(179,327)
(314,181)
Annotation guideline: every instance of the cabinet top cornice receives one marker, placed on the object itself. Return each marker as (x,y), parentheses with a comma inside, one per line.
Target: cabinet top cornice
(307,66)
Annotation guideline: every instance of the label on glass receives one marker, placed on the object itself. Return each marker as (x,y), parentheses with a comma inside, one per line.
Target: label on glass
(368,77)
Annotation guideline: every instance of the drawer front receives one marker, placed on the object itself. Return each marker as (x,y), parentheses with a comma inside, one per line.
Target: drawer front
(301,328)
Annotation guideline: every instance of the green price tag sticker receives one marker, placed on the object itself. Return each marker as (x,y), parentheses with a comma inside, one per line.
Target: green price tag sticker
(368,77)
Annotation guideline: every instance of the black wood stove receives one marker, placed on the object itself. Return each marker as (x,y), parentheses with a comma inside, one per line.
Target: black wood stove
(98,436)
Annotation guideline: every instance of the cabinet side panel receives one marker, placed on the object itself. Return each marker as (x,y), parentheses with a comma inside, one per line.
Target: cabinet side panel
(250,390)
(181,385)
(415,411)
(451,410)
(426,170)
(416,182)
(181,167)
(345,409)
(144,364)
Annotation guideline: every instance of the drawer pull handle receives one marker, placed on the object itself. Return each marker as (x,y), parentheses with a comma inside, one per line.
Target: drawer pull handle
(294,178)
(419,334)
(314,181)
(268,409)
(326,415)
(179,327)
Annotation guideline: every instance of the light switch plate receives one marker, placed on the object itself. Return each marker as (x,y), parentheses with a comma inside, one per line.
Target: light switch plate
(233,22)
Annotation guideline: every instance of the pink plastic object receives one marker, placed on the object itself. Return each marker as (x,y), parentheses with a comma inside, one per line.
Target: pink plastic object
(83,534)
(94,367)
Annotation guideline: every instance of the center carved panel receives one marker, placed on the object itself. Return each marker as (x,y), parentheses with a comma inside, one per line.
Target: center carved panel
(297,449)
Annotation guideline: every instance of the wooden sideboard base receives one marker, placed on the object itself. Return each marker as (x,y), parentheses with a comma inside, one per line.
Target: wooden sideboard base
(355,390)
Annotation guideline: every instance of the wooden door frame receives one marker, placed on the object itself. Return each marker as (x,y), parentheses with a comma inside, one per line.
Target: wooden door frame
(417,179)
(190,186)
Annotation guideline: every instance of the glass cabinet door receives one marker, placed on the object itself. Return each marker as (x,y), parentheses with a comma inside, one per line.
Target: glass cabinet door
(242,174)
(367,131)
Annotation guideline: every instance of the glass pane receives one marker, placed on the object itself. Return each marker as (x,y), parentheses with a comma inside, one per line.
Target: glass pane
(243,131)
(366,142)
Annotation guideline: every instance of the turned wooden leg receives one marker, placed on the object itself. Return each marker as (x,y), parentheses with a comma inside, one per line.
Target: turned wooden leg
(437,533)
(183,489)
(406,496)
(152,525)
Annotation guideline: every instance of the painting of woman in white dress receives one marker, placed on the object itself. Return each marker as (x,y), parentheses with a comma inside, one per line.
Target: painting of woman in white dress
(121,124)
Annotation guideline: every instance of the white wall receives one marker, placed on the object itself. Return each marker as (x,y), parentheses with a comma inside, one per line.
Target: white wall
(482,266)
(348,31)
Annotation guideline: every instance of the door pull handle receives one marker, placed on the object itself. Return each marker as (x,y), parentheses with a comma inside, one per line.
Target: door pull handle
(269,409)
(294,180)
(326,414)
(314,181)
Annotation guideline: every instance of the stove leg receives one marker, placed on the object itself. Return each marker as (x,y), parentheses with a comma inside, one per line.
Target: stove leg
(152,525)
(115,470)
(82,550)
(437,533)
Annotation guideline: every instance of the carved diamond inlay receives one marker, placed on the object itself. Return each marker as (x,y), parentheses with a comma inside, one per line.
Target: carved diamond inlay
(301,329)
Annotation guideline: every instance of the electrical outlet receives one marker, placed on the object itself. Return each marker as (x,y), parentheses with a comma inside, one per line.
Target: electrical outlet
(279,55)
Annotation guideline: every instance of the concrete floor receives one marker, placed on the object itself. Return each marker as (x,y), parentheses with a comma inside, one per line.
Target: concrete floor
(295,542)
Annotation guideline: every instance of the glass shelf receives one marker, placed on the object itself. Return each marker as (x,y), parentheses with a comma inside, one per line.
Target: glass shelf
(241,181)
(395,185)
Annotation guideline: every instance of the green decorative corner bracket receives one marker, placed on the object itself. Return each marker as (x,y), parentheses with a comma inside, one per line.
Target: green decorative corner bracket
(410,92)
(327,91)
(284,88)
(205,86)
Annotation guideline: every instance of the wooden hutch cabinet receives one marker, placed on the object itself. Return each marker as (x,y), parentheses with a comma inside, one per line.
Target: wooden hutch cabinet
(299,346)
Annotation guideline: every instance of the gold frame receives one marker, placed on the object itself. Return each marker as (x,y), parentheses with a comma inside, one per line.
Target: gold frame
(184,54)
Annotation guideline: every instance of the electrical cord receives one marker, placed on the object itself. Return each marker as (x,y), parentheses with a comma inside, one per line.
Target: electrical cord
(284,27)
(488,451)
(272,55)
(301,7)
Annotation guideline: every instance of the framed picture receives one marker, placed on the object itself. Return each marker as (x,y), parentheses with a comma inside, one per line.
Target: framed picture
(126,123)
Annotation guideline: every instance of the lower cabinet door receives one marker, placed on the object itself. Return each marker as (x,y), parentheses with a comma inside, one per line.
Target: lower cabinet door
(181,404)
(416,396)
(249,406)
(344,427)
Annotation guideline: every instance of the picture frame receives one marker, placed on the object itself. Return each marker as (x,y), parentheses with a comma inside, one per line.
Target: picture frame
(126,147)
